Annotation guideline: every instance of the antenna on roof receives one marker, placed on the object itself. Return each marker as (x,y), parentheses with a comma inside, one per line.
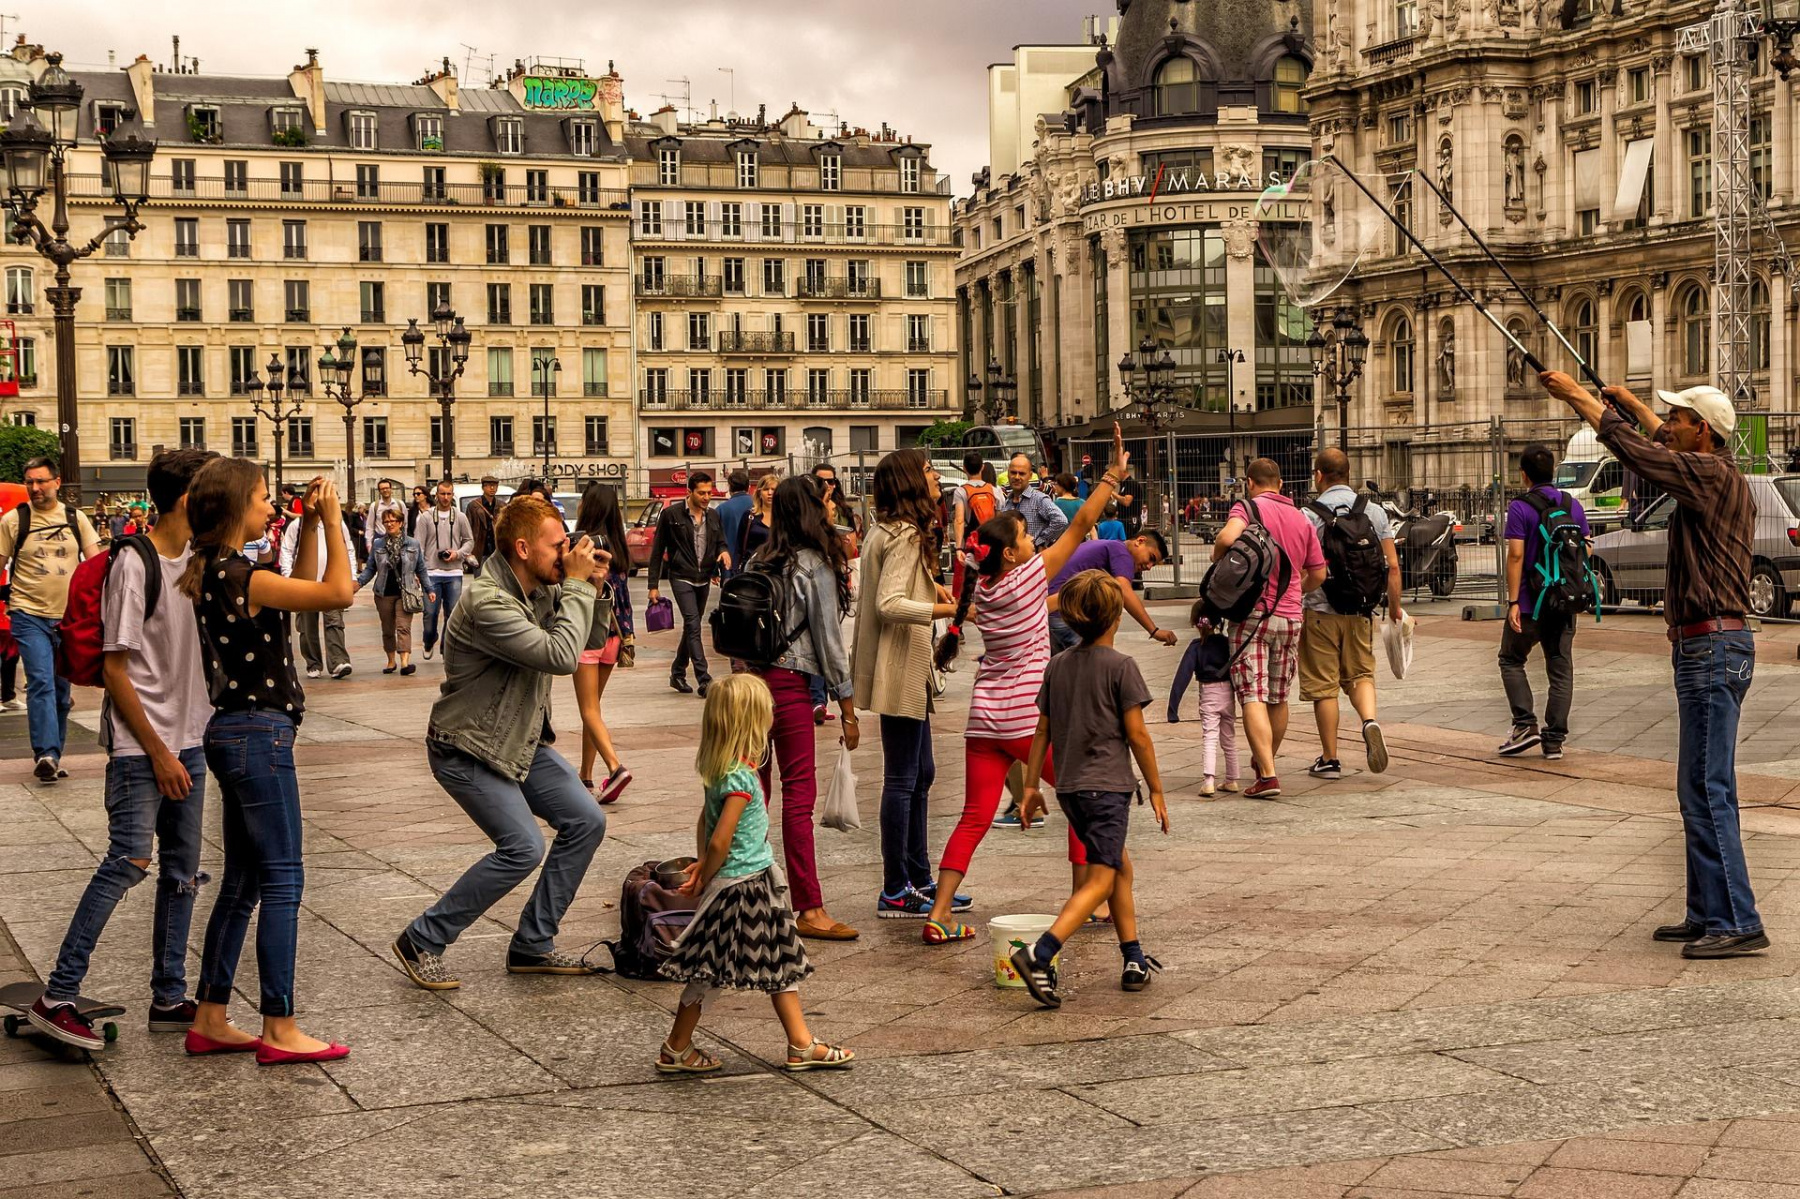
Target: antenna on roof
(4,18)
(469,61)
(686,96)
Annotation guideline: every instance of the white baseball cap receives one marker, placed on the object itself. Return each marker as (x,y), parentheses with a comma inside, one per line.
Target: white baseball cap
(1708,403)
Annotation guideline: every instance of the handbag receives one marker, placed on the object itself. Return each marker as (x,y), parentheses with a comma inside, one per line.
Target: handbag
(412,598)
(840,811)
(659,615)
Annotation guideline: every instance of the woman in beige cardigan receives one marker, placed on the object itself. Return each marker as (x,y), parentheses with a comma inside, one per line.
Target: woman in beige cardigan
(891,668)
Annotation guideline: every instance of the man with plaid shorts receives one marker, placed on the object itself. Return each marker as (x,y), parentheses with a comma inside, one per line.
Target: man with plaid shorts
(1264,670)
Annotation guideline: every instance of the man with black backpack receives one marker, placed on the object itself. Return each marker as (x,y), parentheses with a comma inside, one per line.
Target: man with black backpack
(1550,583)
(1337,644)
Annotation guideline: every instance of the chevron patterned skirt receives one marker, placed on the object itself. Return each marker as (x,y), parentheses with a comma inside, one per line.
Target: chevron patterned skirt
(743,939)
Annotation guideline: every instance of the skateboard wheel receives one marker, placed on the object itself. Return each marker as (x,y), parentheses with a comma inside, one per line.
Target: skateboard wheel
(12,1026)
(110,1031)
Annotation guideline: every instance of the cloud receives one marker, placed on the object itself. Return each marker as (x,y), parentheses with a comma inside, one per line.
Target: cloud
(918,65)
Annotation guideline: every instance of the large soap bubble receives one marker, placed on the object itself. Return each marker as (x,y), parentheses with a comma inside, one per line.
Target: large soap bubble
(1318,226)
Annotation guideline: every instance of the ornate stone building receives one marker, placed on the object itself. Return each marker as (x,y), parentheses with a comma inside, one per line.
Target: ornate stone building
(1130,216)
(286,207)
(793,291)
(1577,139)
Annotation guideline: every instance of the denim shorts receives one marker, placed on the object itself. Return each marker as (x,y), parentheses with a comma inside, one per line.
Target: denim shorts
(1100,820)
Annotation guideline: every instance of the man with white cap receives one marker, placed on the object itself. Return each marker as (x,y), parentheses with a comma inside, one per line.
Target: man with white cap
(1705,596)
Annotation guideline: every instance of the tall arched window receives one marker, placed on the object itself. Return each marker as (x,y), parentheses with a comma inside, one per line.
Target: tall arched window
(1177,88)
(1587,333)
(1400,338)
(1759,325)
(1290,81)
(1696,332)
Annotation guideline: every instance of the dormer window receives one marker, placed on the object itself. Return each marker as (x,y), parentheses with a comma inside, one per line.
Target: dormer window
(831,172)
(12,96)
(203,123)
(288,125)
(668,166)
(746,168)
(583,138)
(428,132)
(107,118)
(509,135)
(362,130)
(909,174)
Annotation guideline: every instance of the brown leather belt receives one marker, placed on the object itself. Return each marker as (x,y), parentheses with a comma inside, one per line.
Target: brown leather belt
(1702,628)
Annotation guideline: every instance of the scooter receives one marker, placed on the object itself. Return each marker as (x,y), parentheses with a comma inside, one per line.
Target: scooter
(1426,547)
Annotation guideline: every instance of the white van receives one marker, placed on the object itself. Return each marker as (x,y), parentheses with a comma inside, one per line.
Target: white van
(568,501)
(1593,478)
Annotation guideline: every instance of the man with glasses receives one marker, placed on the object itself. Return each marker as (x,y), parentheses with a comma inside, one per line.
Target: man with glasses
(1124,561)
(1044,521)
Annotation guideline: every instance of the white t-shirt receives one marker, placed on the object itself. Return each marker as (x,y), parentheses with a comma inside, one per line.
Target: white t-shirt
(164,666)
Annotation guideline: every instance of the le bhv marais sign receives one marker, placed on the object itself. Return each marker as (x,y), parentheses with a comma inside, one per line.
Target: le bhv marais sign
(1159,194)
(555,92)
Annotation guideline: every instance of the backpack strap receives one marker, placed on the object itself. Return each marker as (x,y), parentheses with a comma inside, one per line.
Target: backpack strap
(152,571)
(1324,513)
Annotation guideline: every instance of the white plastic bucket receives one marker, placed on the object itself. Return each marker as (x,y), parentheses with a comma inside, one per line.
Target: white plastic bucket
(1007,933)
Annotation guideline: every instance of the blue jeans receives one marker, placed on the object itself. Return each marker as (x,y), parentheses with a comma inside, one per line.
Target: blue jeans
(251,755)
(907,772)
(1712,676)
(508,813)
(141,823)
(815,686)
(46,692)
(1062,637)
(449,590)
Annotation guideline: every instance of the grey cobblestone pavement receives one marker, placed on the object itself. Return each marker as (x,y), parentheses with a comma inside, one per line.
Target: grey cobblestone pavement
(1436,981)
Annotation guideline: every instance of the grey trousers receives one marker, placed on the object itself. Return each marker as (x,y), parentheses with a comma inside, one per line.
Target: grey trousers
(508,813)
(334,654)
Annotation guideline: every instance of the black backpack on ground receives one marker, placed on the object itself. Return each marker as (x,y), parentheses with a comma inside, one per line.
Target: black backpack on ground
(1356,569)
(1234,585)
(749,623)
(1562,584)
(651,919)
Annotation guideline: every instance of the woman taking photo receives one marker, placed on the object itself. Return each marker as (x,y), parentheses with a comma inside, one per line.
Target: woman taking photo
(395,564)
(753,533)
(803,547)
(257,702)
(892,669)
(600,520)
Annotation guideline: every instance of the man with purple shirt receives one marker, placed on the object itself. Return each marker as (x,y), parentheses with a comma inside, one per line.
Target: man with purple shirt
(1266,648)
(1556,634)
(1124,561)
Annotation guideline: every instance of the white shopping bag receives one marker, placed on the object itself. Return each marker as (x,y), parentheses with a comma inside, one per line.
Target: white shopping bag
(840,811)
(1397,637)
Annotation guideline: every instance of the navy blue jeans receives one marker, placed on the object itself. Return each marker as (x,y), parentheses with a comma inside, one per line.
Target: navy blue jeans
(141,823)
(1712,676)
(907,772)
(251,754)
(448,589)
(47,696)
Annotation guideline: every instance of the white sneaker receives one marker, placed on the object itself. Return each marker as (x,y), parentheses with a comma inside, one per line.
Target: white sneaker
(428,653)
(12,705)
(46,769)
(313,672)
(340,670)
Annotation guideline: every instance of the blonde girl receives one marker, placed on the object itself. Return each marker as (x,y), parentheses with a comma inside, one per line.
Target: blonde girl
(742,935)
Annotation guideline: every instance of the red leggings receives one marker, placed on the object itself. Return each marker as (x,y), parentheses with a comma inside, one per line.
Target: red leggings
(792,742)
(985,763)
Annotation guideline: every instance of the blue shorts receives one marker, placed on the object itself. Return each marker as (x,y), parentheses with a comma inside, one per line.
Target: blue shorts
(1100,820)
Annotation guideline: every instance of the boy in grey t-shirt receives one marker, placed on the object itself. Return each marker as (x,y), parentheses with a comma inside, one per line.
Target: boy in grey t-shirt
(1095,725)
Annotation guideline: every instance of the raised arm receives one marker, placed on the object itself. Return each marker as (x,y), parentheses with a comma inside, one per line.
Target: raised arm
(1056,556)
(269,589)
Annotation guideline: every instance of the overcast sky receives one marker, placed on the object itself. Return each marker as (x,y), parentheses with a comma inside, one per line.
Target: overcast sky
(916,64)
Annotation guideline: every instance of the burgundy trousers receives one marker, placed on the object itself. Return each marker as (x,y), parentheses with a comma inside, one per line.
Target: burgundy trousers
(794,748)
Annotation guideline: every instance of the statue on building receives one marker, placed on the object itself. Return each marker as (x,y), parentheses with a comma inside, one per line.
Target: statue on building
(1447,358)
(1515,360)
(1446,170)
(1515,172)
(1451,12)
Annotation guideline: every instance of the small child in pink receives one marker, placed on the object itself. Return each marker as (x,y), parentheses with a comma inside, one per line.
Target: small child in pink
(1208,663)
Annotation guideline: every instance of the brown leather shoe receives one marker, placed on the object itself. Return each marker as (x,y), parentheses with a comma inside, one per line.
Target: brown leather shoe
(837,931)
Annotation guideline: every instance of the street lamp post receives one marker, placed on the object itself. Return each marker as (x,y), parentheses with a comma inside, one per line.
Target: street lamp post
(543,368)
(34,157)
(335,374)
(996,397)
(1230,359)
(1339,349)
(1153,400)
(276,411)
(445,370)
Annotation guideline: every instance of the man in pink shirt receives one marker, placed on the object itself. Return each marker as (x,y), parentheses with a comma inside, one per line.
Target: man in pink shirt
(1263,672)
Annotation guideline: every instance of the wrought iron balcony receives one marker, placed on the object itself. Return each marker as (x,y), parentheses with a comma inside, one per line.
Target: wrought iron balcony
(733,341)
(681,286)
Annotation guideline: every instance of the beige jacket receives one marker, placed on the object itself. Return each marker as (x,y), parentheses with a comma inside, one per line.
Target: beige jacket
(891,664)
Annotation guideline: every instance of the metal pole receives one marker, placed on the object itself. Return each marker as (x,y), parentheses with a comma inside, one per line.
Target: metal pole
(62,299)
(349,454)
(445,399)
(1497,438)
(543,370)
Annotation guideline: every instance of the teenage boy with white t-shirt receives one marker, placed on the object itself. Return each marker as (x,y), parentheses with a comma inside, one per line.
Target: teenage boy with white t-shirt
(152,722)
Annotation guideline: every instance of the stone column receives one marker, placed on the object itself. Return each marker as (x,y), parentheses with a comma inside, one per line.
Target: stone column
(1781,373)
(1662,156)
(1782,162)
(1118,306)
(1240,309)
(1662,342)
(1609,147)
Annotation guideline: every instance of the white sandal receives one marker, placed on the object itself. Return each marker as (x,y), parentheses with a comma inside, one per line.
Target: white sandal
(683,1063)
(835,1058)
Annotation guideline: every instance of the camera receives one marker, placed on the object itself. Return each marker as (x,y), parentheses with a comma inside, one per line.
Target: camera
(443,555)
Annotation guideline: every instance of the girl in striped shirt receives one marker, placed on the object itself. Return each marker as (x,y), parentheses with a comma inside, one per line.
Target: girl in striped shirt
(1007,583)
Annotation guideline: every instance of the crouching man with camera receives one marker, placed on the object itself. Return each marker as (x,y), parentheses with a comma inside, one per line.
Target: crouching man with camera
(446,540)
(1706,594)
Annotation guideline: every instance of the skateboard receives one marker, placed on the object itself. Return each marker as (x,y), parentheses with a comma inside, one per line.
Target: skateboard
(20,996)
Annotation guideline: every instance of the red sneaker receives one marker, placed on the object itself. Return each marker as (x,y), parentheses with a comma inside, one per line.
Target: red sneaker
(61,1020)
(1268,788)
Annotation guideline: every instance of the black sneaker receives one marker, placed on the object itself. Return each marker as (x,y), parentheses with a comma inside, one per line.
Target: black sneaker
(1137,974)
(1039,980)
(908,905)
(1326,768)
(1524,736)
(46,769)
(554,962)
(1552,751)
(680,684)
(178,1017)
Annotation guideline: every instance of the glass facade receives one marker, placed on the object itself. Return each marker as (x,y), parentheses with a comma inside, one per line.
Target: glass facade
(1284,366)
(1103,363)
(1179,301)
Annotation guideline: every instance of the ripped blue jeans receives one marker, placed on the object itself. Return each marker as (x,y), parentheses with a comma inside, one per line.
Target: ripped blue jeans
(141,823)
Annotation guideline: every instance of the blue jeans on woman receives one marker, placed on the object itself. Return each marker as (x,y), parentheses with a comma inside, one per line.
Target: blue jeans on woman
(251,754)
(1712,676)
(141,823)
(907,772)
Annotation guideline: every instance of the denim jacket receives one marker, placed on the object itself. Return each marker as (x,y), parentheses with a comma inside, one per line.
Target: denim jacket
(820,648)
(412,565)
(502,648)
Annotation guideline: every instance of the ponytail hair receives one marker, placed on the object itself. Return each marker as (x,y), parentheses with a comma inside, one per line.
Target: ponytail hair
(985,560)
(217,499)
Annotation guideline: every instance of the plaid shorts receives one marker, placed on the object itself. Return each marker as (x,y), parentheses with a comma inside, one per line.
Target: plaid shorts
(1264,672)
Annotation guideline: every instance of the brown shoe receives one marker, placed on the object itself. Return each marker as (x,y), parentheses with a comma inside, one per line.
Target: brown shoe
(836,931)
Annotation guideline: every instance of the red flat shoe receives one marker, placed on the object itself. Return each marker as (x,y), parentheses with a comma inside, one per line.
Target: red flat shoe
(199,1045)
(268,1055)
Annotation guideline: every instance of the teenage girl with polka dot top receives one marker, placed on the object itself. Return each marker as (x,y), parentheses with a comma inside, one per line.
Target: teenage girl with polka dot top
(257,700)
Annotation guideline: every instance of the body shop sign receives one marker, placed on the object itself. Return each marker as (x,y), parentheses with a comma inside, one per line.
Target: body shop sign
(555,93)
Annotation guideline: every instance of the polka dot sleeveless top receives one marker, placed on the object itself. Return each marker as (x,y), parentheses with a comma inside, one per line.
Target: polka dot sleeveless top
(249,659)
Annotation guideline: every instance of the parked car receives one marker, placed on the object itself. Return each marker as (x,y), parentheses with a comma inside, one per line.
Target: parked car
(641,533)
(1631,561)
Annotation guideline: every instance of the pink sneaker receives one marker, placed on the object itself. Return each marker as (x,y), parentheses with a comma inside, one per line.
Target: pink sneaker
(614,786)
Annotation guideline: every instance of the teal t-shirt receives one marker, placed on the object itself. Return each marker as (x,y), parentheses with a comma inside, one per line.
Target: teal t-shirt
(750,849)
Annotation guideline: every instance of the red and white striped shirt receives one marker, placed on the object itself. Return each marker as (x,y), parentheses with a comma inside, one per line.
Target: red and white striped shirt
(1014,618)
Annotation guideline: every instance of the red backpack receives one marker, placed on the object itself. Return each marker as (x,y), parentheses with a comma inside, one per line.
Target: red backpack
(80,652)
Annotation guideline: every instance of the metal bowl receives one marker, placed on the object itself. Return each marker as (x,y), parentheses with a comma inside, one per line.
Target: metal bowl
(672,873)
